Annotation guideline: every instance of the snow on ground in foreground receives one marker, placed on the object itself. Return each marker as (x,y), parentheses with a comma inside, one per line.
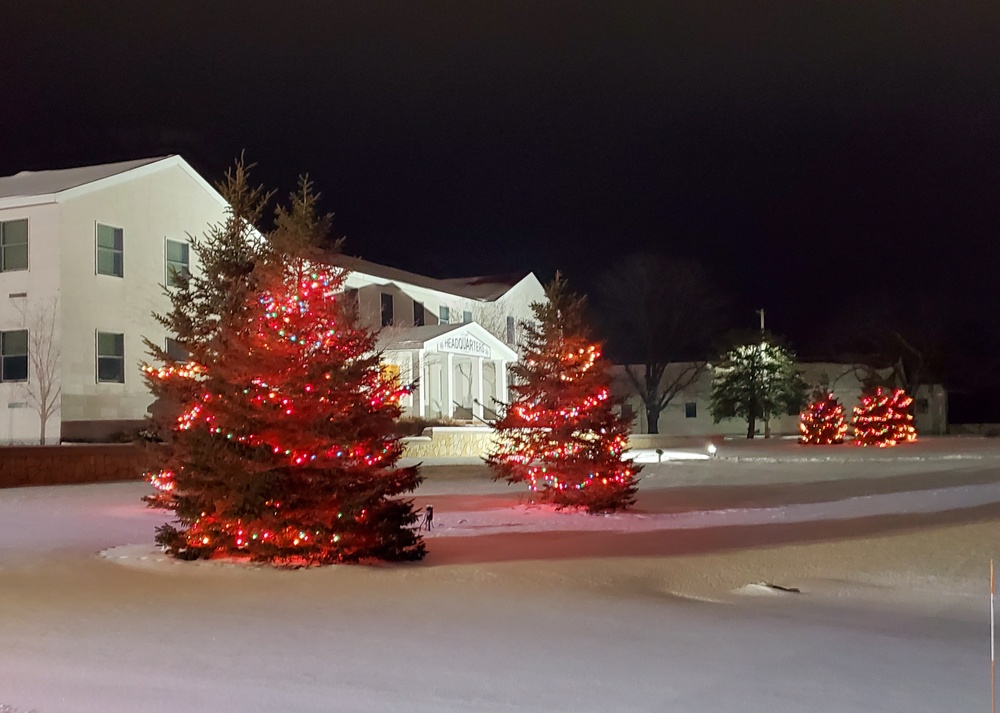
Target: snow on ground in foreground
(83,634)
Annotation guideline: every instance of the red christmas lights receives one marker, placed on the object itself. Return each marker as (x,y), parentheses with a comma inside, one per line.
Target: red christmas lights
(284,450)
(560,434)
(822,422)
(884,419)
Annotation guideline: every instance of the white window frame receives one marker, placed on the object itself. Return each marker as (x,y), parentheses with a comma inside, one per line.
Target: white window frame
(98,357)
(27,246)
(166,259)
(97,249)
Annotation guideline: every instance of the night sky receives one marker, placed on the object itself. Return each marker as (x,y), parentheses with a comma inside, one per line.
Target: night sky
(780,143)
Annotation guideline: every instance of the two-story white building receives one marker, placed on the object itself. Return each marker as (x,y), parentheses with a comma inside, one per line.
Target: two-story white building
(84,252)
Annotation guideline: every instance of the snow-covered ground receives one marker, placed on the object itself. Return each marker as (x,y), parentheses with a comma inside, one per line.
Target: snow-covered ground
(519,608)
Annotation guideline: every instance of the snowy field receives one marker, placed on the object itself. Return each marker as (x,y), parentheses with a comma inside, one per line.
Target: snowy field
(519,608)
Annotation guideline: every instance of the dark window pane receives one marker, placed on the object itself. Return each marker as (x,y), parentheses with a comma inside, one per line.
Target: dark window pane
(15,257)
(106,237)
(110,344)
(14,232)
(691,409)
(14,343)
(444,315)
(175,351)
(386,310)
(510,330)
(418,314)
(466,317)
(111,369)
(177,252)
(15,368)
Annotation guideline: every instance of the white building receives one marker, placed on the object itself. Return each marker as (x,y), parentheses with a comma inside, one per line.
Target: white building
(91,246)
(688,414)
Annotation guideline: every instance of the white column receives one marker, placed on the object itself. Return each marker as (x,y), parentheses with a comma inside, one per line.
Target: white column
(502,396)
(477,376)
(449,409)
(418,374)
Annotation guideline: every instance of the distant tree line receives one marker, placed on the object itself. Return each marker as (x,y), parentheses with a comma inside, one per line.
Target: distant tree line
(667,321)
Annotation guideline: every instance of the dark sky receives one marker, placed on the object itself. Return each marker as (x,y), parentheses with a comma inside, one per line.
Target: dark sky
(779,142)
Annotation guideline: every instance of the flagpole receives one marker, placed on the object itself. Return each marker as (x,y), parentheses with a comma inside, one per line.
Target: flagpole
(993,651)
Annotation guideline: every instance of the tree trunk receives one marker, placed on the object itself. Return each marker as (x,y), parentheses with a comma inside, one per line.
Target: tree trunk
(767,425)
(652,420)
(41,438)
(751,425)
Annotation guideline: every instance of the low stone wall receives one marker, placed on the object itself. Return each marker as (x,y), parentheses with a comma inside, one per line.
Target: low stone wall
(69,464)
(449,442)
(474,442)
(652,441)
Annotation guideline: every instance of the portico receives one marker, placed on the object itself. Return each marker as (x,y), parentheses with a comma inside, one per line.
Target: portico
(460,370)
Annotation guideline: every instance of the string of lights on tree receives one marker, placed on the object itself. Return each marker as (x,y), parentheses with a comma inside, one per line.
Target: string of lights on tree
(560,434)
(884,418)
(282,447)
(822,422)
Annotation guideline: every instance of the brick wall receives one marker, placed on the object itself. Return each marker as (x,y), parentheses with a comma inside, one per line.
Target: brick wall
(68,464)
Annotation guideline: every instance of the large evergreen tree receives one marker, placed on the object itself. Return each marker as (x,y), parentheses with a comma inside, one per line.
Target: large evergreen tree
(560,434)
(756,380)
(280,446)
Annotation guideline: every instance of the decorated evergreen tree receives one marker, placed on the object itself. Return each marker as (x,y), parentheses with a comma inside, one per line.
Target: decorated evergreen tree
(560,434)
(883,418)
(822,422)
(280,444)
(756,380)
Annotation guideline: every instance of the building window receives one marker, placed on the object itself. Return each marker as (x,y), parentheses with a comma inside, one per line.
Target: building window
(444,315)
(510,330)
(178,263)
(418,314)
(351,301)
(110,358)
(386,309)
(466,317)
(175,351)
(109,251)
(691,409)
(14,245)
(921,406)
(14,348)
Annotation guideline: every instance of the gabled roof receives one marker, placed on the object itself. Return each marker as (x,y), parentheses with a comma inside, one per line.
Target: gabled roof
(41,183)
(477,288)
(447,338)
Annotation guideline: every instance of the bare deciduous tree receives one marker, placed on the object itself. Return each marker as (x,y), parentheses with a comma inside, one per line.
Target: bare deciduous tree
(656,312)
(42,391)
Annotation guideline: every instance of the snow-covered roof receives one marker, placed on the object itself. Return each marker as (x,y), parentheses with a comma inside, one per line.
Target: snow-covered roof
(486,288)
(42,183)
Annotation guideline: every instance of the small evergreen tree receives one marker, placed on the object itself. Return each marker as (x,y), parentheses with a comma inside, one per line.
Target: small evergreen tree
(822,422)
(280,447)
(560,434)
(883,418)
(756,380)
